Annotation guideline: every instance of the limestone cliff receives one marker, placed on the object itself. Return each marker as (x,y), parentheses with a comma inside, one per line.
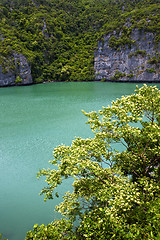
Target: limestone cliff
(138,62)
(18,74)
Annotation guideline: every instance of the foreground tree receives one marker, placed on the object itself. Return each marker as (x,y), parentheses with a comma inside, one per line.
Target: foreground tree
(116,174)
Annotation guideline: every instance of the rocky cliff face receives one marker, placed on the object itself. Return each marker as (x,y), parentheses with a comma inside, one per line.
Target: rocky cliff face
(19,74)
(139,62)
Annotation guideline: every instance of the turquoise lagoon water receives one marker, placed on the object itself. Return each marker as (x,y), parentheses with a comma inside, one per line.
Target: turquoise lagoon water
(33,120)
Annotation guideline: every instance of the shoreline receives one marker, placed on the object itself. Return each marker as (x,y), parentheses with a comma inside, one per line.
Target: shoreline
(100,81)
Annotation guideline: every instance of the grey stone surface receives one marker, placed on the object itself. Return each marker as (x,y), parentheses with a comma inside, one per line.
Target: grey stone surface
(22,69)
(109,61)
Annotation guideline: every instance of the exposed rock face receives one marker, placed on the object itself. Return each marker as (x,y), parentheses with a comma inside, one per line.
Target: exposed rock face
(21,75)
(45,30)
(128,64)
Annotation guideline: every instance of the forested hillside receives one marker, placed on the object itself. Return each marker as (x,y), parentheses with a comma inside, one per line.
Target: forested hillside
(59,37)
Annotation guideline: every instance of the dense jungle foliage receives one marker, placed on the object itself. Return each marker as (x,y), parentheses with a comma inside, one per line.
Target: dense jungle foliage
(58,37)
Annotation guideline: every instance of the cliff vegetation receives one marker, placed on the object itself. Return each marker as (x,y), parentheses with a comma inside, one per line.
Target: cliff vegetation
(58,38)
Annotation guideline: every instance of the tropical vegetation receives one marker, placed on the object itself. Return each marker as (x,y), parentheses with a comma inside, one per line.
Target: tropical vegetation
(59,37)
(116,175)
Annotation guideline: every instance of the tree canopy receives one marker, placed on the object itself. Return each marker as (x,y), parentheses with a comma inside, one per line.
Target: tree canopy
(116,174)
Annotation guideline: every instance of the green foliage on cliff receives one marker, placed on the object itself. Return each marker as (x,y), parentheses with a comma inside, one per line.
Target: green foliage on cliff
(59,37)
(115,193)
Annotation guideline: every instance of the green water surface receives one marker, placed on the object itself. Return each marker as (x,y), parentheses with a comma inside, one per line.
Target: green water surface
(33,120)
